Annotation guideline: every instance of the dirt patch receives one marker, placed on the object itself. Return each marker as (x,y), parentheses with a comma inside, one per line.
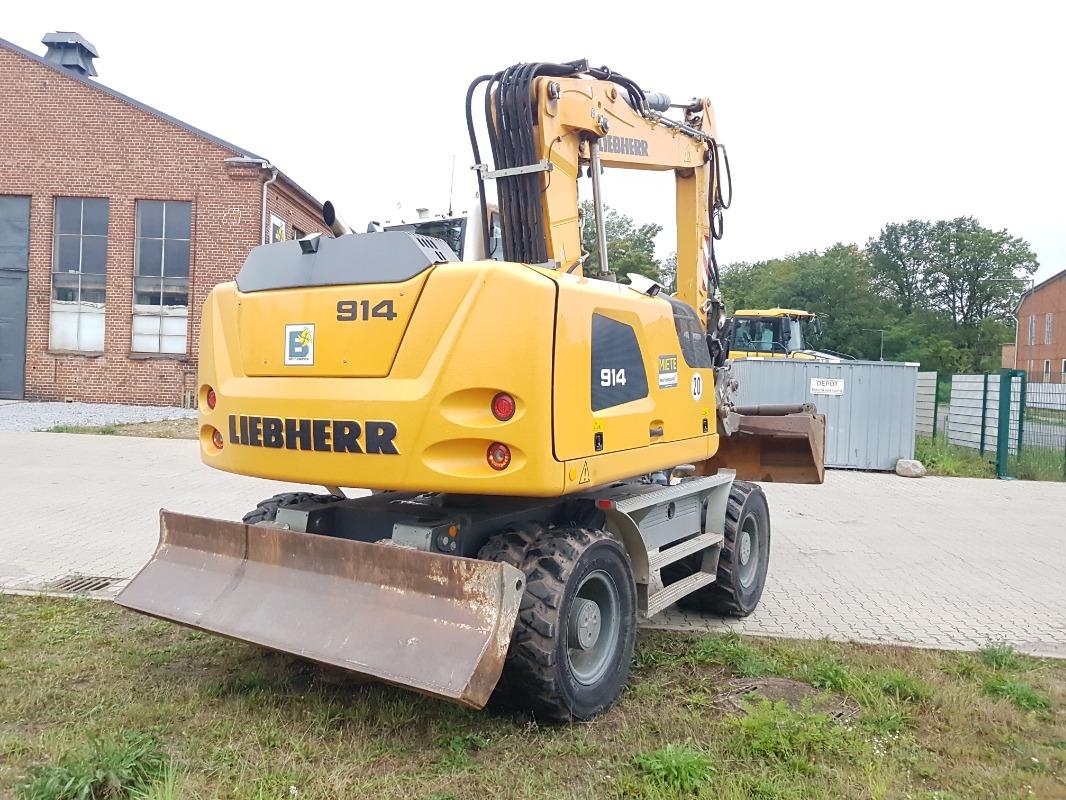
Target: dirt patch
(795,694)
(164,429)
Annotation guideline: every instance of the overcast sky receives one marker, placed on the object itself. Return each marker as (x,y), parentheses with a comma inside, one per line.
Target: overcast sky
(839,118)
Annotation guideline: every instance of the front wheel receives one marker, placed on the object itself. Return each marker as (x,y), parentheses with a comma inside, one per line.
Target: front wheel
(742,566)
(573,641)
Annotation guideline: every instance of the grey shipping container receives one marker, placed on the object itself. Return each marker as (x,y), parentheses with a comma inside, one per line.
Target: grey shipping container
(869,406)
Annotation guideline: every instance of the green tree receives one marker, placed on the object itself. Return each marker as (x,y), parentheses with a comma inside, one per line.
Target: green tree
(900,257)
(668,272)
(977,273)
(630,247)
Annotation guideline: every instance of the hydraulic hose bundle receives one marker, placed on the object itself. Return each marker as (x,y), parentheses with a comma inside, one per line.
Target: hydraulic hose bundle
(509,118)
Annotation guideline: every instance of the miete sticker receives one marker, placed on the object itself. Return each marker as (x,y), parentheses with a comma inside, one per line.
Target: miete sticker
(667,372)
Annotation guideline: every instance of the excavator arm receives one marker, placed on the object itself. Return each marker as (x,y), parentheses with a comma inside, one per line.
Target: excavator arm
(549,122)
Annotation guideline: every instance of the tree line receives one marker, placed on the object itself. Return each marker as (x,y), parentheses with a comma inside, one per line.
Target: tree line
(943,292)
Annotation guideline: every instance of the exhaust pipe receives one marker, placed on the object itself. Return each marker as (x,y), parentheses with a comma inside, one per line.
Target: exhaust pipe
(333,222)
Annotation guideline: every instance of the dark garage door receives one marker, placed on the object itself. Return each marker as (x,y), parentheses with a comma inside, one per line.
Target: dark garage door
(14,261)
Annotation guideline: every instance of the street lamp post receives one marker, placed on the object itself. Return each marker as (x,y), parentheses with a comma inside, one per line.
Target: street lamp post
(882,332)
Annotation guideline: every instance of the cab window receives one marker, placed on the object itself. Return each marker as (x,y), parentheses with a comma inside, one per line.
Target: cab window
(757,335)
(452,231)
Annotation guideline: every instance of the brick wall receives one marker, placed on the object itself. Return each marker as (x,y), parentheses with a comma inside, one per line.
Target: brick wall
(1047,298)
(61,138)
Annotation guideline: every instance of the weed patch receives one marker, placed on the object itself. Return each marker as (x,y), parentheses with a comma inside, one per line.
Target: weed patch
(125,767)
(675,768)
(941,458)
(773,731)
(730,651)
(901,686)
(827,672)
(1001,656)
(1021,694)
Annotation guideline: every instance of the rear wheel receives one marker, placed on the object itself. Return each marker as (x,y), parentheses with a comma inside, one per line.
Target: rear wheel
(267,510)
(573,641)
(745,557)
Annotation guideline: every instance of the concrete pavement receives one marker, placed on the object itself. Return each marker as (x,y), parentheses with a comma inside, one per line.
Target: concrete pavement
(934,562)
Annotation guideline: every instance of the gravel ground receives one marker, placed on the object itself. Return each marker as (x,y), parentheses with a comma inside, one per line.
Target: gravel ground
(42,416)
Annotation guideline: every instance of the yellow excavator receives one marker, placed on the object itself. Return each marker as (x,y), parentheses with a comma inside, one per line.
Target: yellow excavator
(544,444)
(775,333)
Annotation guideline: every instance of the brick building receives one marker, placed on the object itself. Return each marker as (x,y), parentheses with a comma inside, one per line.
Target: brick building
(116,220)
(1041,345)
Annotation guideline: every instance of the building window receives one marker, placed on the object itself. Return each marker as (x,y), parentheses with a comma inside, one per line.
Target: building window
(1047,370)
(297,233)
(161,276)
(1062,375)
(277,229)
(1032,329)
(1047,327)
(79,274)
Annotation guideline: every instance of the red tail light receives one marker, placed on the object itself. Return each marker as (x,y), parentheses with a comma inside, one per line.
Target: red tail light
(216,438)
(211,399)
(503,406)
(499,456)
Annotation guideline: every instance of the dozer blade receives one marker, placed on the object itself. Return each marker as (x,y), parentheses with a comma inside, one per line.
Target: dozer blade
(780,444)
(438,624)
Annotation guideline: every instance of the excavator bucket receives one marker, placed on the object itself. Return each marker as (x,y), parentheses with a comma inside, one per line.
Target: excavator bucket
(780,444)
(434,623)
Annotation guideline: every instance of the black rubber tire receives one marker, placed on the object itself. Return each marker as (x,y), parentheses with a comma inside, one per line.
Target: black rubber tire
(267,510)
(537,675)
(728,596)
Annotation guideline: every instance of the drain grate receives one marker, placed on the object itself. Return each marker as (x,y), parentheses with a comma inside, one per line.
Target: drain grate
(81,584)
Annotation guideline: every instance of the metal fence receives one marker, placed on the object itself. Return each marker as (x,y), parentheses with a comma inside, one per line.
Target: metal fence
(973,416)
(869,406)
(925,404)
(1020,425)
(1035,419)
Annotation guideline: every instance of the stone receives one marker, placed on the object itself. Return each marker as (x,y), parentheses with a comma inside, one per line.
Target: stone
(909,468)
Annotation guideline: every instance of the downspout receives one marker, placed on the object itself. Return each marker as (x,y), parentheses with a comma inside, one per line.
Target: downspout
(266,185)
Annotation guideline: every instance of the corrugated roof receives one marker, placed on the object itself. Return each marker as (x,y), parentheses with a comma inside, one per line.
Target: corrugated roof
(241,151)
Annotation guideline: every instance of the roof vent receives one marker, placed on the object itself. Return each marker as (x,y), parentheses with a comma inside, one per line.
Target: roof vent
(71,51)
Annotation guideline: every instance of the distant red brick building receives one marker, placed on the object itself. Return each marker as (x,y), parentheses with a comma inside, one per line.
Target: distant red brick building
(116,220)
(1041,348)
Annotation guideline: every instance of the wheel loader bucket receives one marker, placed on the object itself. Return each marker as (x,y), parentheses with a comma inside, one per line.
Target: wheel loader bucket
(438,624)
(779,444)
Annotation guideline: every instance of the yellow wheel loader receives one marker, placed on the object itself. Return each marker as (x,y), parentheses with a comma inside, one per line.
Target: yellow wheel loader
(544,443)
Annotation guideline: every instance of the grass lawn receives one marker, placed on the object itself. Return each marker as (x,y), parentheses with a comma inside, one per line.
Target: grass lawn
(163,429)
(952,461)
(93,696)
